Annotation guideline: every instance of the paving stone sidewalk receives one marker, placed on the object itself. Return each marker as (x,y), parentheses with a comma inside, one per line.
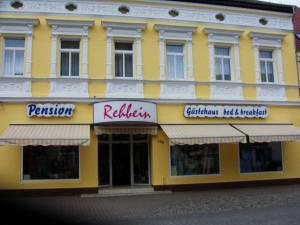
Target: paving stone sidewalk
(180,205)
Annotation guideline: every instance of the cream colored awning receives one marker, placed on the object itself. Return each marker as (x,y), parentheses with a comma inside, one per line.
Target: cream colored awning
(46,135)
(270,132)
(202,134)
(152,130)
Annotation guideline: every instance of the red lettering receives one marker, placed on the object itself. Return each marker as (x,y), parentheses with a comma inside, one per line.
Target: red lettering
(107,109)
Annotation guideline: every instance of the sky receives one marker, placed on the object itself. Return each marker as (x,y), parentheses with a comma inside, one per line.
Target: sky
(286,2)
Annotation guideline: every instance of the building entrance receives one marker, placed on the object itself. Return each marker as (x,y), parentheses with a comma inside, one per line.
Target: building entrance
(123,160)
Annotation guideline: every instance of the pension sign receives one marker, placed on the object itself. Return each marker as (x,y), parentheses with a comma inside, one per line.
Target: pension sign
(50,110)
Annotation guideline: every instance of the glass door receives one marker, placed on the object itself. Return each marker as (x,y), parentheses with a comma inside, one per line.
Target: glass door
(103,164)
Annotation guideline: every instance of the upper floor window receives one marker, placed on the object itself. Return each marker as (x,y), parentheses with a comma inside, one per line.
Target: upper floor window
(69,57)
(123,59)
(14,56)
(223,63)
(175,61)
(266,65)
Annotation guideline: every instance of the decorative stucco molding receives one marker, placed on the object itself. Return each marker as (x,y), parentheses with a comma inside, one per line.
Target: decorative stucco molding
(269,92)
(177,90)
(15,87)
(157,11)
(226,90)
(69,88)
(123,88)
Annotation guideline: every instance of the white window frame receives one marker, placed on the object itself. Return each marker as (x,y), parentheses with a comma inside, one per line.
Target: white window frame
(195,175)
(175,54)
(48,180)
(69,51)
(14,49)
(125,52)
(265,60)
(222,57)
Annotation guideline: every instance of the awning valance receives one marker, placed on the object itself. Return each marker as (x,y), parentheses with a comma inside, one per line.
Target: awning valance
(202,134)
(46,135)
(270,132)
(152,130)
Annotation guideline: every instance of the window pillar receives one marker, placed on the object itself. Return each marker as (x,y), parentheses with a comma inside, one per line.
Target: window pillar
(85,56)
(28,54)
(162,55)
(237,63)
(211,48)
(257,64)
(108,56)
(190,59)
(280,67)
(139,56)
(53,55)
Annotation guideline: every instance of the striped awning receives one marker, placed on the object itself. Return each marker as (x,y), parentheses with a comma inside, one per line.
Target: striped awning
(46,135)
(152,130)
(270,132)
(202,134)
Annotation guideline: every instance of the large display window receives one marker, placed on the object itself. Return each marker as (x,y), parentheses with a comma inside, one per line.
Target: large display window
(260,157)
(50,162)
(194,160)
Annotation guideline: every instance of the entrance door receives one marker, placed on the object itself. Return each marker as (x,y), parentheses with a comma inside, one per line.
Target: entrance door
(121,164)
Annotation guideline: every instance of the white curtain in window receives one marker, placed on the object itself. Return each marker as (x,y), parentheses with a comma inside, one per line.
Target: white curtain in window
(170,67)
(218,69)
(270,72)
(119,65)
(179,67)
(64,64)
(128,65)
(8,62)
(263,71)
(75,64)
(19,62)
(227,73)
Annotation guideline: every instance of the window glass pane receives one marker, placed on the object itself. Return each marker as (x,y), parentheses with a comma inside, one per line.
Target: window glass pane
(128,65)
(263,71)
(70,44)
(194,159)
(174,48)
(222,51)
(120,137)
(265,54)
(103,160)
(140,163)
(179,67)
(170,67)
(123,46)
(119,65)
(219,69)
(227,72)
(74,64)
(64,64)
(270,71)
(14,42)
(19,62)
(8,62)
(51,162)
(103,137)
(260,157)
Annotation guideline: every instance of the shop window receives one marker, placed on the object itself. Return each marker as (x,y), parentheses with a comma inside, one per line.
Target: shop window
(13,56)
(123,59)
(194,160)
(266,65)
(50,162)
(223,63)
(260,157)
(175,61)
(69,58)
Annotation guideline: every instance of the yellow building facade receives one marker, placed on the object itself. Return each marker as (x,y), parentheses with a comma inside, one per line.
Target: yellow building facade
(161,93)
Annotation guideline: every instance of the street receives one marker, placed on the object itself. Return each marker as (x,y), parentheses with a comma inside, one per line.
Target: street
(262,206)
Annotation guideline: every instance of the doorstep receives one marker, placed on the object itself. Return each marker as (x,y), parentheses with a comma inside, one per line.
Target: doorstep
(125,191)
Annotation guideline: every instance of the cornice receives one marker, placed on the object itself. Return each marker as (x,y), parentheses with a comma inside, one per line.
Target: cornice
(119,25)
(266,36)
(222,32)
(70,23)
(168,28)
(18,22)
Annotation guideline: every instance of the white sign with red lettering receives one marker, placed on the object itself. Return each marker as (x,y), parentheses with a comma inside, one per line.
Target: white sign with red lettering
(124,111)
